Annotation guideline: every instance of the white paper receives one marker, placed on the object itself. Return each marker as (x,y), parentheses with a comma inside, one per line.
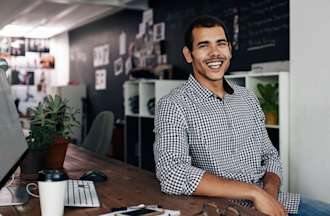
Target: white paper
(159,31)
(118,66)
(101,55)
(148,16)
(167,212)
(122,43)
(128,65)
(142,30)
(100,79)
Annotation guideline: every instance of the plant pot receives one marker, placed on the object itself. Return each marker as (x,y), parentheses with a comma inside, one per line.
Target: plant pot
(271,118)
(34,161)
(56,153)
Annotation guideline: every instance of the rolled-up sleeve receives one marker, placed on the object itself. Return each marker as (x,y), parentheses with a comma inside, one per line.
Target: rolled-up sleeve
(171,150)
(270,156)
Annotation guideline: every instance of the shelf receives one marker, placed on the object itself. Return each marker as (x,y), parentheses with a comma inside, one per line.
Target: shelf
(146,116)
(273,126)
(133,115)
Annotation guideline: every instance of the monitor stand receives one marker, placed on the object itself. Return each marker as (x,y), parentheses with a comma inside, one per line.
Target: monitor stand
(13,195)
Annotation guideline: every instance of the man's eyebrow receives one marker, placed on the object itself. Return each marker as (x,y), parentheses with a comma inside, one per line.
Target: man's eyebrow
(207,42)
(222,40)
(202,42)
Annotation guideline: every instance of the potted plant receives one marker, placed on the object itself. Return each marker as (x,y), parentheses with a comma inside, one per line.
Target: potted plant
(269,102)
(51,125)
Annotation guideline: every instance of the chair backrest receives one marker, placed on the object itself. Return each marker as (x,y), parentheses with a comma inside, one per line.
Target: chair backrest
(99,136)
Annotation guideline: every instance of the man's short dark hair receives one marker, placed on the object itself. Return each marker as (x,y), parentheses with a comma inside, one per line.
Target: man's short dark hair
(203,21)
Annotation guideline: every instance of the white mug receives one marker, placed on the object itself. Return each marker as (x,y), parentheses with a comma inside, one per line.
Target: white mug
(52,187)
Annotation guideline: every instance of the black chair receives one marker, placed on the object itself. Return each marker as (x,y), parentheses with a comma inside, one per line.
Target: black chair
(99,136)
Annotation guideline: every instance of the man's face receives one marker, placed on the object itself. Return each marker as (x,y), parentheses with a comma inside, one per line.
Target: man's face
(210,55)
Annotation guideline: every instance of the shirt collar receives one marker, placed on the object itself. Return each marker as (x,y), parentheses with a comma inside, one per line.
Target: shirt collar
(203,91)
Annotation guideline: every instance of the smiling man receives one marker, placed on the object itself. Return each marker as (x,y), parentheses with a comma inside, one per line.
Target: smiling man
(210,135)
(211,138)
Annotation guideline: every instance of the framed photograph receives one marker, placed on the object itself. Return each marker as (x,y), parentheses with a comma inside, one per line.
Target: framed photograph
(118,66)
(22,77)
(17,47)
(100,79)
(159,31)
(101,55)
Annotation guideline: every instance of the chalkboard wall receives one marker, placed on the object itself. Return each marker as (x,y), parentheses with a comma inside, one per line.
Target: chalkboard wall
(259,29)
(82,42)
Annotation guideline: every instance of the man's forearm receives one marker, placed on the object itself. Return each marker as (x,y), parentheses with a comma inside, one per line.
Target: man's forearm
(211,185)
(272,183)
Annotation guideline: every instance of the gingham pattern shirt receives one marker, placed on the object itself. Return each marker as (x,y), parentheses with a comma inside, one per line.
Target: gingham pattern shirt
(197,132)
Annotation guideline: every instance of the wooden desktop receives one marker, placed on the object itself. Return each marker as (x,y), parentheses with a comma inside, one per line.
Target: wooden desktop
(126,186)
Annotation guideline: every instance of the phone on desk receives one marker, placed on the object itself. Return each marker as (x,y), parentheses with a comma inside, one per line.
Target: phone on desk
(141,212)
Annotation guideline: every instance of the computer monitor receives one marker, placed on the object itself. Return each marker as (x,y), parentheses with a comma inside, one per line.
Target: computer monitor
(13,145)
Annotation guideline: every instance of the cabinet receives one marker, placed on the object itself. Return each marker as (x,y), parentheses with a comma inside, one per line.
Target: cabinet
(141,96)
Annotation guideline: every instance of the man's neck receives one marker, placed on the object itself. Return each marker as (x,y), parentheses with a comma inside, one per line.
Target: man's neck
(216,87)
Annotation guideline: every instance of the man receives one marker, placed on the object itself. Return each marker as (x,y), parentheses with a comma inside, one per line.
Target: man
(210,135)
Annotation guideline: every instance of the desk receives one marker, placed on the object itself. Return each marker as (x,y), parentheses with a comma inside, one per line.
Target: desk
(127,185)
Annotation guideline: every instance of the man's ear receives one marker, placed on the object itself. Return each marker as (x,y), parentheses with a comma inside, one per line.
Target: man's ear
(187,54)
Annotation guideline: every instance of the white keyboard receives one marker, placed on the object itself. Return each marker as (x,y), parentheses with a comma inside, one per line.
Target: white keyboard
(81,194)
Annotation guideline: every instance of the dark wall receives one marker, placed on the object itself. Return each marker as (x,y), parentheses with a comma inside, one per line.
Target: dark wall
(262,27)
(82,42)
(259,31)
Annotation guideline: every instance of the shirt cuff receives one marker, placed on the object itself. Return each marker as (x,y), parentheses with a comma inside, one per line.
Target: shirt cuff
(274,167)
(193,179)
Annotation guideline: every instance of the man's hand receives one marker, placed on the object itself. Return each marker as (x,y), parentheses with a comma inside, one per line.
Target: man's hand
(272,184)
(266,204)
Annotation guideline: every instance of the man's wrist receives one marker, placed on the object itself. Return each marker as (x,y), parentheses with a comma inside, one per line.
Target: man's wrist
(272,190)
(254,192)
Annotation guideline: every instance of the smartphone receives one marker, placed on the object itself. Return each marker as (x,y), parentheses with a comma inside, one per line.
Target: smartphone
(141,212)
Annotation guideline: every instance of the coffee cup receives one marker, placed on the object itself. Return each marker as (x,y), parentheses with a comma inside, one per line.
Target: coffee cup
(52,187)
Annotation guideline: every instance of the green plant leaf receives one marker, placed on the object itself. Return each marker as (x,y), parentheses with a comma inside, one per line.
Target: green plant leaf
(49,119)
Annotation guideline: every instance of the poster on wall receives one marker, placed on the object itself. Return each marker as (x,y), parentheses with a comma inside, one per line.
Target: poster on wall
(100,79)
(37,45)
(101,55)
(128,65)
(159,31)
(148,16)
(118,66)
(122,43)
(5,45)
(22,77)
(17,47)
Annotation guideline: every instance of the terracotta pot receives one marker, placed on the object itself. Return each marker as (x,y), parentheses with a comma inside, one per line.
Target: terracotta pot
(271,118)
(33,162)
(56,153)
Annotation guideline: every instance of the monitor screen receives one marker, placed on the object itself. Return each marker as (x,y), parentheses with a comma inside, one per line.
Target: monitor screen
(12,141)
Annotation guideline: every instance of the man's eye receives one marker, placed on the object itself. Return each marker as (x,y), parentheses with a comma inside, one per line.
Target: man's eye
(202,46)
(223,44)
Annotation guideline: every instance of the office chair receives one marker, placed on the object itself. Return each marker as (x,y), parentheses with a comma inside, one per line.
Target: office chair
(99,136)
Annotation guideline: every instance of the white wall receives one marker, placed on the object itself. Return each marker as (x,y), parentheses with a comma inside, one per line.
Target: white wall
(310,97)
(59,48)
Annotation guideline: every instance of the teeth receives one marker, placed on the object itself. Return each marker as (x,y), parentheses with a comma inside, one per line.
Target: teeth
(214,65)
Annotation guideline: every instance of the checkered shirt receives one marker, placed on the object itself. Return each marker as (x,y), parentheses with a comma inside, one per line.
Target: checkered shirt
(198,132)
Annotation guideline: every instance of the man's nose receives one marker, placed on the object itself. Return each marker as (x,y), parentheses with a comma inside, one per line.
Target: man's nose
(214,51)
